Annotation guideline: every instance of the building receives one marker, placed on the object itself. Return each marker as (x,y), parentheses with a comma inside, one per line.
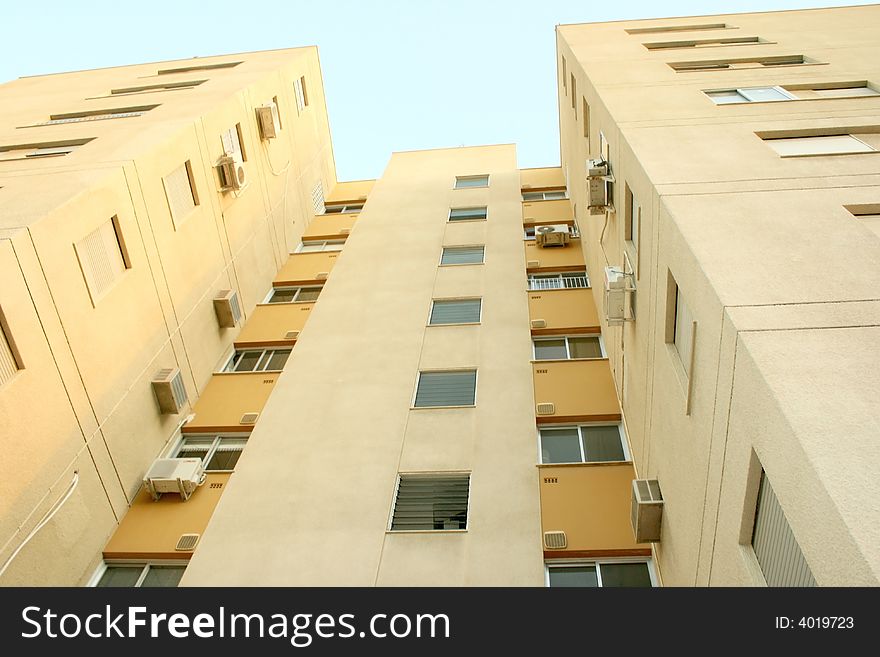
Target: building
(451,375)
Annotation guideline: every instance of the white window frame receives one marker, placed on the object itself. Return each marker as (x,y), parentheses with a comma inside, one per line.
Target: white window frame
(547,338)
(174,453)
(744,93)
(568,563)
(555,195)
(475,177)
(297,290)
(621,430)
(265,355)
(325,245)
(434,301)
(560,276)
(475,370)
(343,209)
(427,475)
(462,264)
(145,568)
(868,147)
(456,220)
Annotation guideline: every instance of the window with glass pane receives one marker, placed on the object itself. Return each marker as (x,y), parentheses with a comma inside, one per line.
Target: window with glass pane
(285,295)
(455,311)
(464,182)
(560,446)
(550,349)
(260,360)
(464,214)
(683,330)
(602,443)
(276,359)
(195,448)
(626,574)
(218,453)
(120,576)
(141,575)
(166,576)
(584,444)
(584,347)
(454,388)
(307,294)
(462,255)
(573,576)
(431,502)
(820,145)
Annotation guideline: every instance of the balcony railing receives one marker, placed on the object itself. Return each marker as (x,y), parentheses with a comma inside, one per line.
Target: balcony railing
(559,282)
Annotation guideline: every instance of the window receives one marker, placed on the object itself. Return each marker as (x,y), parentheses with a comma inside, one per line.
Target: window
(140,575)
(633,223)
(180,190)
(682,334)
(468,214)
(293,294)
(96,115)
(10,360)
(45,149)
(749,95)
(704,43)
(568,348)
(834,92)
(326,245)
(318,198)
(466,182)
(549,195)
(151,88)
(564,75)
(462,255)
(431,502)
(776,548)
(455,311)
(743,62)
(218,453)
(102,257)
(337,209)
(679,28)
(622,573)
(302,94)
(197,67)
(451,388)
(558,281)
(233,144)
(574,90)
(841,144)
(868,215)
(257,360)
(589,443)
(586,113)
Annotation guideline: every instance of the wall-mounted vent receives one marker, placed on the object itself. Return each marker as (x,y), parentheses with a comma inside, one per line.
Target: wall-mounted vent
(647,510)
(187,542)
(249,418)
(531,264)
(555,540)
(170,391)
(546,408)
(344,231)
(227,308)
(291,335)
(321,275)
(538,323)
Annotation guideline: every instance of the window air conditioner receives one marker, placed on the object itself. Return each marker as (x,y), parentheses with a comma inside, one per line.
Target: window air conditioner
(615,296)
(553,235)
(647,510)
(181,476)
(597,168)
(230,170)
(170,391)
(227,308)
(268,120)
(598,186)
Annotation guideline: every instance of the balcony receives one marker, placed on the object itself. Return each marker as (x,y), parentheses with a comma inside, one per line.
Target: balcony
(554,258)
(330,227)
(274,325)
(228,400)
(558,311)
(547,212)
(579,391)
(306,268)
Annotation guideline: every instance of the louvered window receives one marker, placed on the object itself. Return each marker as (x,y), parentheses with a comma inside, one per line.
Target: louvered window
(462,255)
(431,502)
(9,364)
(455,311)
(465,182)
(318,198)
(466,214)
(454,388)
(102,257)
(180,191)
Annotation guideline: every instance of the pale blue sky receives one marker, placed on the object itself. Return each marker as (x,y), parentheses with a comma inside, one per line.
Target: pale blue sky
(398,75)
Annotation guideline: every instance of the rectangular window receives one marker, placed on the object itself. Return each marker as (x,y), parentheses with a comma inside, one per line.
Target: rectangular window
(10,361)
(549,195)
(233,144)
(568,348)
(791,92)
(151,88)
(574,90)
(776,548)
(97,115)
(293,294)
(218,453)
(704,43)
(342,209)
(302,97)
(588,443)
(468,214)
(841,144)
(679,28)
(452,388)
(749,95)
(564,75)
(868,215)
(257,360)
(102,257)
(180,190)
(595,574)
(318,198)
(462,255)
(467,182)
(560,281)
(586,113)
(455,311)
(633,222)
(326,245)
(682,329)
(140,575)
(741,62)
(44,149)
(196,67)
(426,502)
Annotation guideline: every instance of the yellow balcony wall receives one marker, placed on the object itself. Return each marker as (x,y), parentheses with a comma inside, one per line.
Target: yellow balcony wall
(554,258)
(228,397)
(306,268)
(351,190)
(580,390)
(547,212)
(151,529)
(270,324)
(541,178)
(591,504)
(334,226)
(564,311)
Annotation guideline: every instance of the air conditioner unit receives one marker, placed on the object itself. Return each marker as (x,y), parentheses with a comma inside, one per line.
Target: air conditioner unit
(180,476)
(599,195)
(268,120)
(597,168)
(553,235)
(170,391)
(647,510)
(615,296)
(231,173)
(227,308)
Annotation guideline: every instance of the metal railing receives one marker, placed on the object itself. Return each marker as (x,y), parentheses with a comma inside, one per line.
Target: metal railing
(558,283)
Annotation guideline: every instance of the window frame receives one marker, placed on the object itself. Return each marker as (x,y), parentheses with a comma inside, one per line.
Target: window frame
(743,92)
(415,394)
(145,566)
(428,475)
(444,249)
(323,244)
(266,353)
(452,300)
(543,194)
(218,438)
(621,432)
(343,209)
(454,220)
(870,148)
(566,338)
(472,177)
(568,563)
(298,290)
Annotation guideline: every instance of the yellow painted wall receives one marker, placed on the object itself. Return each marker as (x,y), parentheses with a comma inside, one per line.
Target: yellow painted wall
(228,397)
(330,226)
(562,310)
(547,212)
(542,178)
(151,528)
(591,504)
(581,389)
(349,190)
(555,258)
(270,322)
(303,268)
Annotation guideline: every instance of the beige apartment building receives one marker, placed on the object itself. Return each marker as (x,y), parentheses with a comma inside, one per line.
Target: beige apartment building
(655,364)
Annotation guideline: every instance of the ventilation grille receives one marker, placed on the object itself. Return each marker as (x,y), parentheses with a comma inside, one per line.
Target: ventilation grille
(531,264)
(179,191)
(321,275)
(538,323)
(344,231)
(100,257)
(318,198)
(8,364)
(556,540)
(546,408)
(291,335)
(456,311)
(249,418)
(455,388)
(187,542)
(426,502)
